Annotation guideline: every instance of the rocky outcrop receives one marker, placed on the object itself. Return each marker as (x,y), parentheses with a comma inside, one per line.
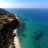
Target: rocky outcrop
(8,23)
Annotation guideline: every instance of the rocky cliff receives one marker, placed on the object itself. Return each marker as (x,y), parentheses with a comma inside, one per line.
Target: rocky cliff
(8,23)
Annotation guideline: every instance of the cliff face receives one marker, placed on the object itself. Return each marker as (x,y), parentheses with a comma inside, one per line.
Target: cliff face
(8,23)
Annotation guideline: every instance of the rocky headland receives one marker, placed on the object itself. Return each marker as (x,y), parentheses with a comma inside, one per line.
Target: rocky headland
(8,23)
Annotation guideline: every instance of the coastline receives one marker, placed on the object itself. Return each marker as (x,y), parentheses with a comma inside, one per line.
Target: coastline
(16,40)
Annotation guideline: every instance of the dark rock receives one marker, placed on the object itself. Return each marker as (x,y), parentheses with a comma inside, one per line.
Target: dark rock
(24,19)
(38,36)
(23,35)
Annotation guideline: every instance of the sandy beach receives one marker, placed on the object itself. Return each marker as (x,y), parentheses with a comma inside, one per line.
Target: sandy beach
(16,40)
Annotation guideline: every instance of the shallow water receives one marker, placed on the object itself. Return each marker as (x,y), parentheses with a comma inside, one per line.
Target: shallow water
(34,22)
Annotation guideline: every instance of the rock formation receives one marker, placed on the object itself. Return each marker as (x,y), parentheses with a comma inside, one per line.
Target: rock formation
(38,36)
(8,23)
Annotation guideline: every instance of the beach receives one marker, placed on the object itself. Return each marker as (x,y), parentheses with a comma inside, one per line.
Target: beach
(16,40)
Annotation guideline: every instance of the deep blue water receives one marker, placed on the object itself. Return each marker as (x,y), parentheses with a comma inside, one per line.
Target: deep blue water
(36,14)
(34,22)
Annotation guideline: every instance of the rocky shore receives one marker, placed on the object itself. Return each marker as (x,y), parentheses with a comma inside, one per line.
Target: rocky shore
(8,23)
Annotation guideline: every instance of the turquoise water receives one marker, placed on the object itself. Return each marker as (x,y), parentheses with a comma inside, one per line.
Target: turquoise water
(33,22)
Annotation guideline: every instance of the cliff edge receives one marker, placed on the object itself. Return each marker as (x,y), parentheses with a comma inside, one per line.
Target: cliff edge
(8,23)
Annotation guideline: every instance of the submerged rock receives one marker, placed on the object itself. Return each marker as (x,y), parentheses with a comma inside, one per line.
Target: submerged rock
(24,19)
(23,35)
(38,36)
(21,29)
(8,23)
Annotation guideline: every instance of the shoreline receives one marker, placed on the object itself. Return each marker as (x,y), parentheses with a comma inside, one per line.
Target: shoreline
(16,40)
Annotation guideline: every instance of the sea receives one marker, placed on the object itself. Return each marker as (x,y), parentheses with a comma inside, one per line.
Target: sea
(33,31)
